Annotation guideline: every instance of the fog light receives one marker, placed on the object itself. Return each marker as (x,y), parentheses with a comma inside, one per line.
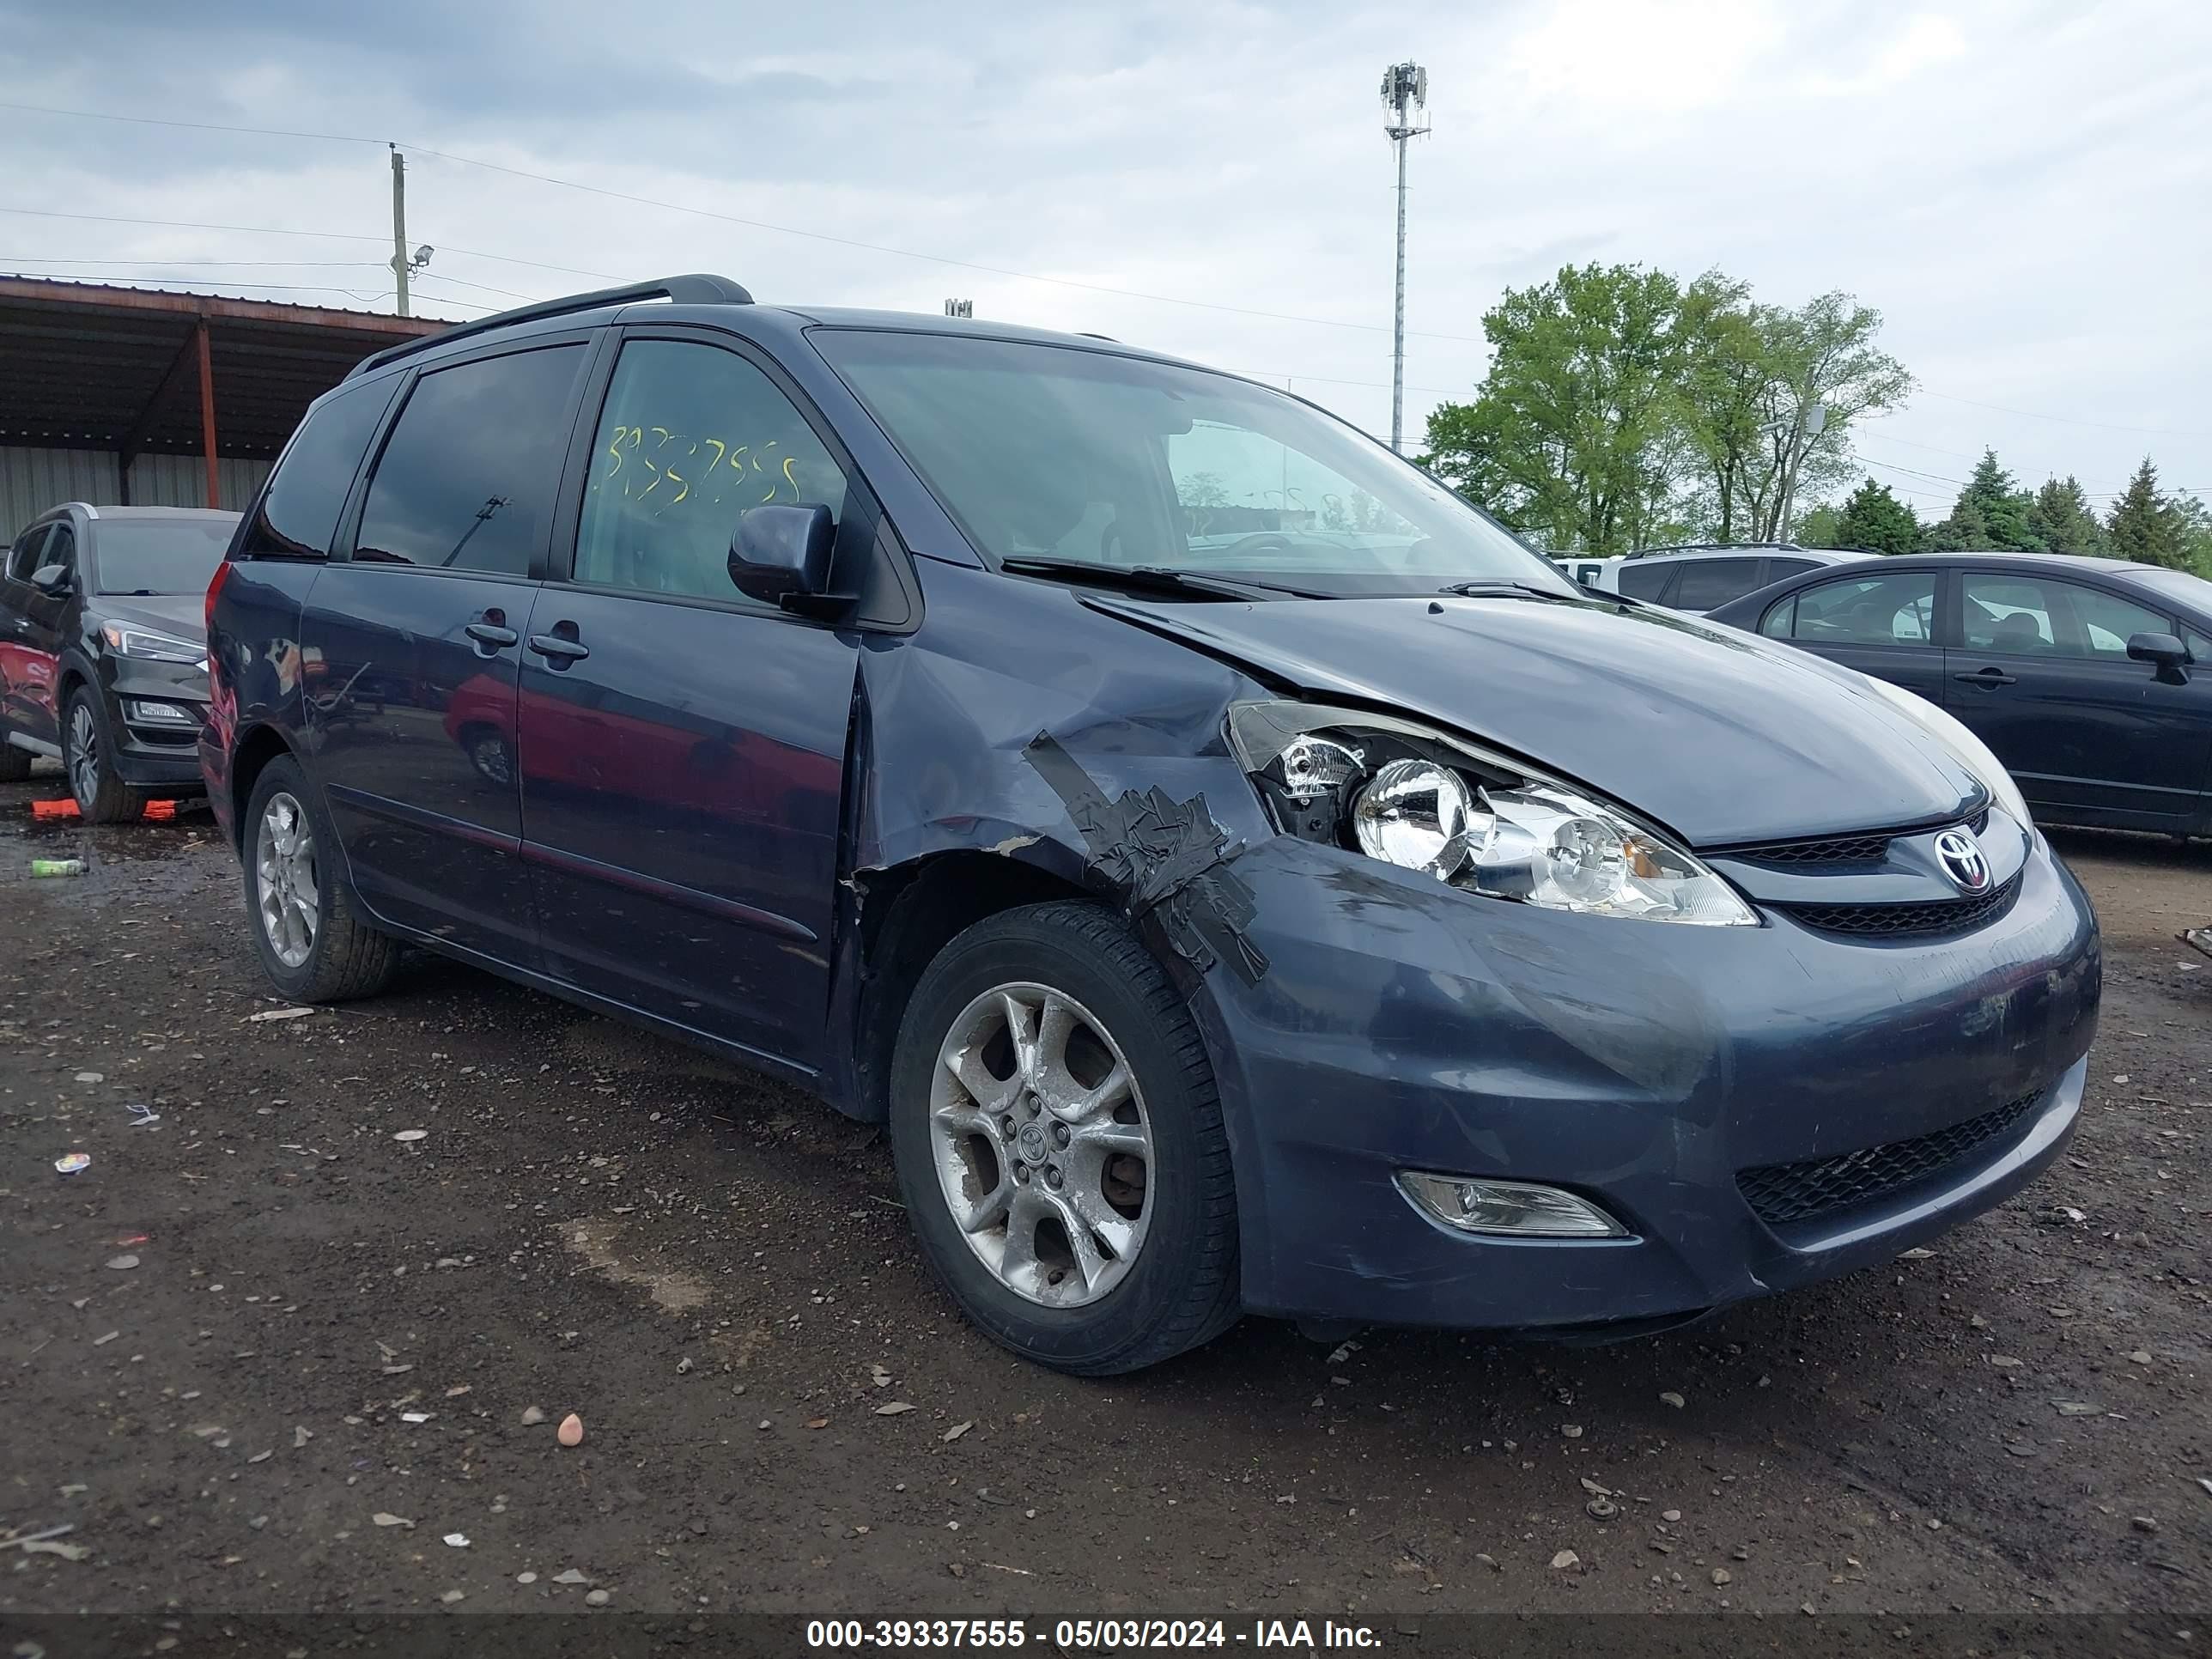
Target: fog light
(154,713)
(1513,1208)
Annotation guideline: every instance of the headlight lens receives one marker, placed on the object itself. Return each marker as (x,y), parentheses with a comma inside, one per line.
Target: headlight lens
(1970,750)
(131,642)
(1417,798)
(1418,814)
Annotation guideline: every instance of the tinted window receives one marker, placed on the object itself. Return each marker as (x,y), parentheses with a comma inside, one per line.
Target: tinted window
(1893,610)
(1645,581)
(467,479)
(61,549)
(691,436)
(1709,583)
(2028,615)
(300,509)
(1779,568)
(25,558)
(160,555)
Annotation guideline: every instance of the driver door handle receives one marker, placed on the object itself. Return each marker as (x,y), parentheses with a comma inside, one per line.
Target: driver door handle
(489,634)
(1988,676)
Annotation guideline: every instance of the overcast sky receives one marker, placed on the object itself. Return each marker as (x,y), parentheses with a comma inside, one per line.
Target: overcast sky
(2024,188)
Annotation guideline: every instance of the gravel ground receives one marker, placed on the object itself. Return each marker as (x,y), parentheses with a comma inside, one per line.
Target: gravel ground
(264,1355)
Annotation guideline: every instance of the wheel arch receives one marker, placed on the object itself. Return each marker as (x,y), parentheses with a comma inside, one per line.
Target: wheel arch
(905,915)
(258,745)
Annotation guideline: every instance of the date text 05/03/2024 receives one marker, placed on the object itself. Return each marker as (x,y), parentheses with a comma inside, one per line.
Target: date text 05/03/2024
(1092,1635)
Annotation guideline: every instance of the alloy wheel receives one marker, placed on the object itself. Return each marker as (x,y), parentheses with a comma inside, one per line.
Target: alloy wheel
(290,899)
(1042,1147)
(83,754)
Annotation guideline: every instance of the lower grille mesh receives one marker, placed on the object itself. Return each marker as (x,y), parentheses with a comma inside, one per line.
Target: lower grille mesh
(1782,1193)
(1905,920)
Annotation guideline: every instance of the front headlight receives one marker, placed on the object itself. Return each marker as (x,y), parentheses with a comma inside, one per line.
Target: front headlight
(128,640)
(1969,751)
(1425,800)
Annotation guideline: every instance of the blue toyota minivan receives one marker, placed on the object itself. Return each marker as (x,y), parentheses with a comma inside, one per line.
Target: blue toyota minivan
(1241,875)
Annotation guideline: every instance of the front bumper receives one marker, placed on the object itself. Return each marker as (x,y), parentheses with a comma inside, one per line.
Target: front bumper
(1403,1024)
(153,755)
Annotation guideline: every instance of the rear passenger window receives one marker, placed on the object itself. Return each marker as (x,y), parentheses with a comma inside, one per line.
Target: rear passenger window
(1893,610)
(467,479)
(1645,581)
(300,509)
(1709,583)
(691,436)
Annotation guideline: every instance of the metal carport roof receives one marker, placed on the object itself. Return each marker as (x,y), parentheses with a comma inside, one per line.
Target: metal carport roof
(147,371)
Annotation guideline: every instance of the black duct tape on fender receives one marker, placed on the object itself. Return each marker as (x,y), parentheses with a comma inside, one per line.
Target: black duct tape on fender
(1165,858)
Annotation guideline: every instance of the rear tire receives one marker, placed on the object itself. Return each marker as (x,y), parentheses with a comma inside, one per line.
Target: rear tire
(15,763)
(313,944)
(1060,1144)
(101,797)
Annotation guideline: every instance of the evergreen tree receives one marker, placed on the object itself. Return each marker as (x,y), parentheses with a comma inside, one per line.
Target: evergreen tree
(1990,512)
(2145,526)
(1876,519)
(2061,518)
(1963,531)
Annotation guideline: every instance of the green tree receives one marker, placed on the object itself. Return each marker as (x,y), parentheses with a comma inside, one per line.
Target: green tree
(1875,518)
(1990,512)
(1822,528)
(2146,526)
(1567,439)
(2060,517)
(2196,531)
(1753,376)
(1964,531)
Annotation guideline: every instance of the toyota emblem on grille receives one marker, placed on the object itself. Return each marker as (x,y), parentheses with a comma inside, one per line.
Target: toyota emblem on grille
(1962,860)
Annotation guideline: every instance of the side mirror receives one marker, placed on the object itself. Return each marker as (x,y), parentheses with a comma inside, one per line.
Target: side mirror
(2168,652)
(54,579)
(781,555)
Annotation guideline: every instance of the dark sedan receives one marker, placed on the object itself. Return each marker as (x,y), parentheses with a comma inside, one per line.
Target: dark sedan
(2091,679)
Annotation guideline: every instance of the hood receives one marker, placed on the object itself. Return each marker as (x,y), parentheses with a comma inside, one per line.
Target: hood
(184,615)
(1719,736)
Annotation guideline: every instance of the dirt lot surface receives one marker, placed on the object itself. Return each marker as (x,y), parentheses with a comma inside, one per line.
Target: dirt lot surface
(265,1353)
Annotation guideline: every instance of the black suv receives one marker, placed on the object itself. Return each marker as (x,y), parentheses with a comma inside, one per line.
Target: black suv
(103,649)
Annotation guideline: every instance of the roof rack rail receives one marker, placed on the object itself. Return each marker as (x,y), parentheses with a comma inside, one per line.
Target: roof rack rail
(696,289)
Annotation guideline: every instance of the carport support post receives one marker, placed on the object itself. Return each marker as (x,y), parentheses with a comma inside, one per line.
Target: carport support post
(207,414)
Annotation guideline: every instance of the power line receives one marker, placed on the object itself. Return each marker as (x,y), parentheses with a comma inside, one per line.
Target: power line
(278,230)
(750,224)
(2065,420)
(286,288)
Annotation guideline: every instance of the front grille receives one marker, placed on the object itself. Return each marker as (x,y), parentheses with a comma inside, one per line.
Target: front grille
(1797,854)
(1829,851)
(1929,919)
(1783,1193)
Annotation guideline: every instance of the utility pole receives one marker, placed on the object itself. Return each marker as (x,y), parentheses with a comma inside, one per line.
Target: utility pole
(1405,90)
(399,266)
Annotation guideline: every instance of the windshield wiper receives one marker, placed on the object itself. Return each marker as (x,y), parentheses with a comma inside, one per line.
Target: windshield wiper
(1149,579)
(1498,587)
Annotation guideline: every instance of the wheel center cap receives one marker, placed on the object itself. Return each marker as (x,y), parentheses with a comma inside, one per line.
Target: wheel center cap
(1032,1145)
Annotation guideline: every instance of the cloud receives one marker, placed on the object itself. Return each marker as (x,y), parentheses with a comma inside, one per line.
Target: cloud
(2016,184)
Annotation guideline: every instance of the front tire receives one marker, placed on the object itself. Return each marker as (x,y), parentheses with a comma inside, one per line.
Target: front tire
(101,797)
(312,945)
(1060,1144)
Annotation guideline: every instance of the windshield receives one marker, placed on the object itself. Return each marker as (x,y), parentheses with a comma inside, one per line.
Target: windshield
(1045,452)
(161,555)
(2178,586)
